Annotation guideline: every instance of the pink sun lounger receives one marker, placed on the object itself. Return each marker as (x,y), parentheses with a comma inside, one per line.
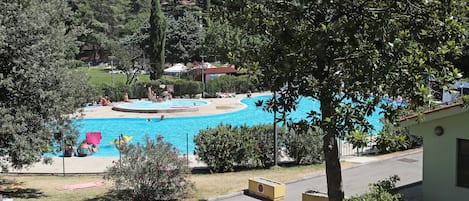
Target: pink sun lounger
(83,185)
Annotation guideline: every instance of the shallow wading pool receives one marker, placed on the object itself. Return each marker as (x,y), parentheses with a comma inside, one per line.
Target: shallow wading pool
(175,105)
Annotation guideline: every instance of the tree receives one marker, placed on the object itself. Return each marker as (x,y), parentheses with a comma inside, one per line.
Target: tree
(183,38)
(232,44)
(101,21)
(126,57)
(157,40)
(349,54)
(38,91)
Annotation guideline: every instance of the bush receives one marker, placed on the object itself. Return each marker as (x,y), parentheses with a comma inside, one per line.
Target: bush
(304,144)
(229,83)
(261,152)
(381,191)
(226,148)
(152,171)
(220,148)
(393,138)
(358,139)
(139,90)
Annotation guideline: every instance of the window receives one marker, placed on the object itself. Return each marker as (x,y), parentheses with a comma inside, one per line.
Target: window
(463,163)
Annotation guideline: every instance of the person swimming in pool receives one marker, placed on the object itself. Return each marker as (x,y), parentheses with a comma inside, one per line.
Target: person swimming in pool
(69,152)
(94,148)
(84,149)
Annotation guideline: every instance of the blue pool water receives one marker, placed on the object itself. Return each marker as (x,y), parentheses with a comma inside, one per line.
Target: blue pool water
(175,129)
(163,105)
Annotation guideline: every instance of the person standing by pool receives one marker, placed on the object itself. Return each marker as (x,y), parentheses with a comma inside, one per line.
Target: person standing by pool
(126,97)
(149,93)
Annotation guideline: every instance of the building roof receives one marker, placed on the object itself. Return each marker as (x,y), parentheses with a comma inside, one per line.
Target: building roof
(220,70)
(176,68)
(434,114)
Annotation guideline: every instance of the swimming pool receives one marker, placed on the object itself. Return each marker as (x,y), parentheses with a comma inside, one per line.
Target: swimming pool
(175,105)
(176,129)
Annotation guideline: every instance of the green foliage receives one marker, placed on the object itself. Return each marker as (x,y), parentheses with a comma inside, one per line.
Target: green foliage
(344,51)
(358,139)
(138,90)
(220,147)
(381,191)
(393,138)
(233,45)
(152,171)
(157,33)
(185,87)
(183,38)
(98,76)
(124,59)
(99,22)
(230,84)
(38,90)
(304,144)
(226,148)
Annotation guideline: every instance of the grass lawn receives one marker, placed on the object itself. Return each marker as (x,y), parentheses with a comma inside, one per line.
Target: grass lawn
(50,188)
(100,75)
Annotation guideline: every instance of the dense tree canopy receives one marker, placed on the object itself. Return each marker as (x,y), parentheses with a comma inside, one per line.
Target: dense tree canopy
(38,91)
(349,55)
(184,37)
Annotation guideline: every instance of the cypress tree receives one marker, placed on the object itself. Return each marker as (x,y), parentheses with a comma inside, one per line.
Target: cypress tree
(158,26)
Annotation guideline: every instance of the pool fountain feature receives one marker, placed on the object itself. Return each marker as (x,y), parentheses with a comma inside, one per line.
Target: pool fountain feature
(168,106)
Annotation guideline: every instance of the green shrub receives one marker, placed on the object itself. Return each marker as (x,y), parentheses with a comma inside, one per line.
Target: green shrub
(152,171)
(358,139)
(229,84)
(381,191)
(392,138)
(304,144)
(261,152)
(140,89)
(226,148)
(221,147)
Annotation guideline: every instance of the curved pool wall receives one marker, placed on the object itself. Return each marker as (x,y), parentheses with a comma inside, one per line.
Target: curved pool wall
(168,106)
(176,129)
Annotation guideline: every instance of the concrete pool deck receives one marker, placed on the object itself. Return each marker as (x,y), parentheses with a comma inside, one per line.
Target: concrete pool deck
(215,106)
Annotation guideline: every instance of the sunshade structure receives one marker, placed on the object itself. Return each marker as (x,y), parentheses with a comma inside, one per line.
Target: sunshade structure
(175,70)
(93,137)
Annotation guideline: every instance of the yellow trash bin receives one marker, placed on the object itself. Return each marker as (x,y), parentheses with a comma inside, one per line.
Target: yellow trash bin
(267,188)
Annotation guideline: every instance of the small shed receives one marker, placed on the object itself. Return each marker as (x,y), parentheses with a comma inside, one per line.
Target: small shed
(445,134)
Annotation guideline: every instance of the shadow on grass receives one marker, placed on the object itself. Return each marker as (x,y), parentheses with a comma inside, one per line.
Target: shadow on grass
(27,193)
(112,195)
(12,188)
(287,164)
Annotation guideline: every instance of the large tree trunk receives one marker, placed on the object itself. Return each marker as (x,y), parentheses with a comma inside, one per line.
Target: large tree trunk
(331,152)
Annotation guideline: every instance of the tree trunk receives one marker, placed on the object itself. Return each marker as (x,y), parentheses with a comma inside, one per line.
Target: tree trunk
(331,152)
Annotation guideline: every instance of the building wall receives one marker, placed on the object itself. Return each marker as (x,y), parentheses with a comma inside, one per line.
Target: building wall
(440,155)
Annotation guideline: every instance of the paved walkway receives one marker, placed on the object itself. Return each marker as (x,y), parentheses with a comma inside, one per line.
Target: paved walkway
(355,179)
(82,165)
